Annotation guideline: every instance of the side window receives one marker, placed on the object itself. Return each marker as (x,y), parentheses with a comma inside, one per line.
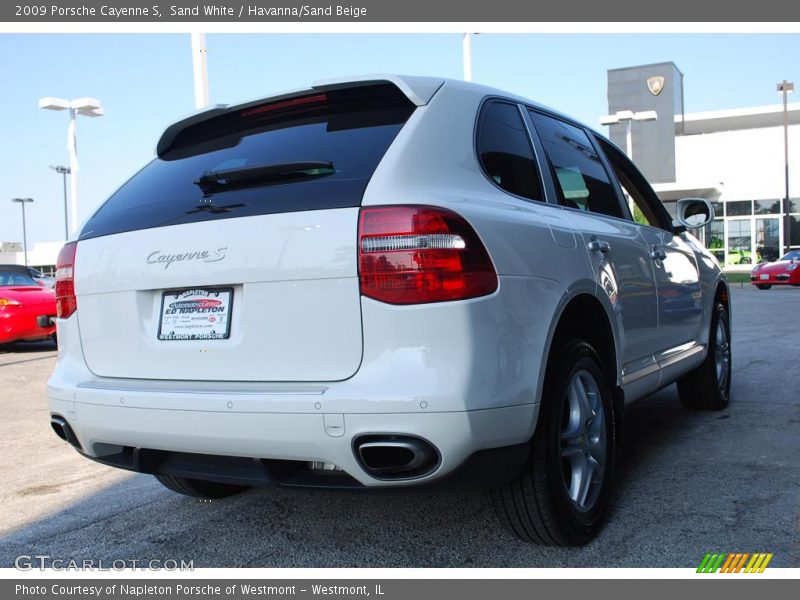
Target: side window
(580,178)
(644,205)
(505,151)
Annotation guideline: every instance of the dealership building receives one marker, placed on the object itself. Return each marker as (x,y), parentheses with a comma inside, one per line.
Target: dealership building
(734,158)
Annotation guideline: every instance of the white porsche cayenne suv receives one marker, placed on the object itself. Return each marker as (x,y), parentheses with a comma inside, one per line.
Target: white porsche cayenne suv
(385,282)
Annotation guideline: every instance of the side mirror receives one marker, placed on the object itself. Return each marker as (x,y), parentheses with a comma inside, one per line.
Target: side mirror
(694,213)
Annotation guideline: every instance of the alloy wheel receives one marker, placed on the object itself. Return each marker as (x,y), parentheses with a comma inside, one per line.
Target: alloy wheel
(583,441)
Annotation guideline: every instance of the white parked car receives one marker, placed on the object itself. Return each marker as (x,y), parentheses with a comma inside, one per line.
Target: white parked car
(385,282)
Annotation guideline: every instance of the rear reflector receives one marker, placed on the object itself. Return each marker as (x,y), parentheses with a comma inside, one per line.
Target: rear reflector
(420,254)
(66,303)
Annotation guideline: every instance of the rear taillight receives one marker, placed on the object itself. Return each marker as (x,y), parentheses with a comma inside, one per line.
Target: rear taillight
(418,254)
(66,304)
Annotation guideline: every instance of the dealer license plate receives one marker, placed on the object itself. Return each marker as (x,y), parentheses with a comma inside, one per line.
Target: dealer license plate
(196,314)
(765,276)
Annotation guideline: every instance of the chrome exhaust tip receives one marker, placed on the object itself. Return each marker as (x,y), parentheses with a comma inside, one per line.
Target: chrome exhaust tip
(396,456)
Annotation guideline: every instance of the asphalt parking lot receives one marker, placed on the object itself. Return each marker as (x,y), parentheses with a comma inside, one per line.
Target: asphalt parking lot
(688,483)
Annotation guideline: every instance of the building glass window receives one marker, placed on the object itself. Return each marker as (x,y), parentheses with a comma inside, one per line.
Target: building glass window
(767,239)
(738,239)
(715,239)
(740,247)
(768,207)
(740,208)
(794,228)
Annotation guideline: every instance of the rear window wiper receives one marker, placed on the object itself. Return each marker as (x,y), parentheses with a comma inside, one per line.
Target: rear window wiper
(230,179)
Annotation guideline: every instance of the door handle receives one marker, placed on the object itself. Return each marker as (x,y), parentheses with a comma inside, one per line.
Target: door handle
(599,246)
(658,254)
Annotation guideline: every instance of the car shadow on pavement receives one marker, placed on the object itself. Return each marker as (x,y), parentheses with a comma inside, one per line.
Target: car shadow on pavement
(28,347)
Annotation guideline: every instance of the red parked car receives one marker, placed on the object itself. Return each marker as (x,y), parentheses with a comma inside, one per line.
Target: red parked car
(27,310)
(785,271)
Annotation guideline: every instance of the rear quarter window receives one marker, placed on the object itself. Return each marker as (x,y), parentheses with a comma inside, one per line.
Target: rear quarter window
(505,150)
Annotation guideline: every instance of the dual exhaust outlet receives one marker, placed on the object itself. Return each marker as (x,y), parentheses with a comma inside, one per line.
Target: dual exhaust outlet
(385,457)
(396,456)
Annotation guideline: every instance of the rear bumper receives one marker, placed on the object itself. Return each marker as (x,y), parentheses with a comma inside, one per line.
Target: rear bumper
(776,279)
(23,327)
(276,448)
(483,469)
(463,377)
(268,433)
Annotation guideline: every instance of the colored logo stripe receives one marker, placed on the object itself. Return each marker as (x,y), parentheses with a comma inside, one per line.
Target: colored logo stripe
(734,562)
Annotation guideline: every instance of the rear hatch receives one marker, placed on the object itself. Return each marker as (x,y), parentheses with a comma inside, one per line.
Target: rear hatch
(232,256)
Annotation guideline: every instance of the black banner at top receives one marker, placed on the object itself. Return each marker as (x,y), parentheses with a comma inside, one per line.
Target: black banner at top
(516,11)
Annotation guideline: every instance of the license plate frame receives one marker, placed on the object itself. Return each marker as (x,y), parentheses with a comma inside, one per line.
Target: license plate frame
(764,277)
(190,317)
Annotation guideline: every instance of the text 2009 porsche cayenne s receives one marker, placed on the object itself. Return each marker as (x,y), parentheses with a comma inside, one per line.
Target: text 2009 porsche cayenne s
(384,282)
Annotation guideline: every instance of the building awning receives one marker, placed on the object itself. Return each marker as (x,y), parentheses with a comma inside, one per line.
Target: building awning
(757,117)
(671,192)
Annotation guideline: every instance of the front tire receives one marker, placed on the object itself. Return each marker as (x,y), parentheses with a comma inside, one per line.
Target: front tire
(561,497)
(708,387)
(198,488)
(763,286)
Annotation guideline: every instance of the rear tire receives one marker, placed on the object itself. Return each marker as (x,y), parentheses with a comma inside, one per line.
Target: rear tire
(708,387)
(198,488)
(763,286)
(560,498)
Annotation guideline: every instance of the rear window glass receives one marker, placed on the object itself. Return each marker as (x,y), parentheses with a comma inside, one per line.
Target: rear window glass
(310,153)
(14,277)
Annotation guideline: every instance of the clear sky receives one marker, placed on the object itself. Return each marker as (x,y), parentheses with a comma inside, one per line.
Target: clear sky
(145,82)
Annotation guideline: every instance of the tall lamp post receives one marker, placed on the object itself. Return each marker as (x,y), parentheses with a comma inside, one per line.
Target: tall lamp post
(200,70)
(64,171)
(88,107)
(627,117)
(785,88)
(23,202)
(466,55)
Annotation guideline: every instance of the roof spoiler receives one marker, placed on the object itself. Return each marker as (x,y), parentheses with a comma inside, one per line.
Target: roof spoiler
(418,90)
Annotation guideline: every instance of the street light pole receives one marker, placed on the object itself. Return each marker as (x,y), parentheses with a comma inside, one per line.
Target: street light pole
(627,117)
(466,47)
(23,202)
(200,70)
(785,88)
(64,171)
(88,107)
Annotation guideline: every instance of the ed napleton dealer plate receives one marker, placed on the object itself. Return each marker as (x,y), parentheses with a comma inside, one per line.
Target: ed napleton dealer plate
(196,314)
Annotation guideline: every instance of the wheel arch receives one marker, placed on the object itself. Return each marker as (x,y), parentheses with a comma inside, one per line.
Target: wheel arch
(582,315)
(722,293)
